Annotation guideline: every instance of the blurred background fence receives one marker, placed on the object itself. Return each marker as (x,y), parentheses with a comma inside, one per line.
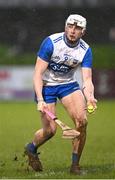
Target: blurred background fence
(23,26)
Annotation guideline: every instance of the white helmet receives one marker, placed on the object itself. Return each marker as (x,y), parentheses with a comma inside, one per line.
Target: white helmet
(78,19)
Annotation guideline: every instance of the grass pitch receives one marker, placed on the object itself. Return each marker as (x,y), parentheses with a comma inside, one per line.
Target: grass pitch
(19,121)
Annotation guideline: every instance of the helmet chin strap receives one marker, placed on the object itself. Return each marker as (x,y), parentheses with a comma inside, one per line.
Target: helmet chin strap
(69,42)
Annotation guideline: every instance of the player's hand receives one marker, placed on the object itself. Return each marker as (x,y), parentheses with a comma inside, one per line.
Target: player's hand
(92,102)
(41,105)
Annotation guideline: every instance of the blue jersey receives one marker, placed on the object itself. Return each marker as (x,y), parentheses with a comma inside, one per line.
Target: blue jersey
(63,60)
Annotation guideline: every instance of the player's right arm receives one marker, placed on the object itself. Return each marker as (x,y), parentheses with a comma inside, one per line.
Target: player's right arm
(40,67)
(43,58)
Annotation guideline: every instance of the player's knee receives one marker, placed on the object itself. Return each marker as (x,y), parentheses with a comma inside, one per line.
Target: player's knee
(82,126)
(50,131)
(53,131)
(81,119)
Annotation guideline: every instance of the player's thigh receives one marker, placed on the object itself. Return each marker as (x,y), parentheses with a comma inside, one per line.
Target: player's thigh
(75,104)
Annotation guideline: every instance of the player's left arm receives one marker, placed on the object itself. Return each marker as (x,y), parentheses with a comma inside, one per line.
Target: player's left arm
(88,87)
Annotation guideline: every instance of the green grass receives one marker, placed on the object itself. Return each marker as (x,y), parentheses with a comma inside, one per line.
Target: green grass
(19,121)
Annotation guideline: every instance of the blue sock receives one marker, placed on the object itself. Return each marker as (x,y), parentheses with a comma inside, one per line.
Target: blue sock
(74,158)
(32,148)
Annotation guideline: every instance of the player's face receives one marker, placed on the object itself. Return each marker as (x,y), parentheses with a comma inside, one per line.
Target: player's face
(73,32)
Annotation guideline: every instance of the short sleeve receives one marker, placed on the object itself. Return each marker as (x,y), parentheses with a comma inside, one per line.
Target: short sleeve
(87,60)
(46,49)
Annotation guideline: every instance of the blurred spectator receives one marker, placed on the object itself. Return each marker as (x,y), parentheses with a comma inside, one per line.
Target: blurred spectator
(20,39)
(112,34)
